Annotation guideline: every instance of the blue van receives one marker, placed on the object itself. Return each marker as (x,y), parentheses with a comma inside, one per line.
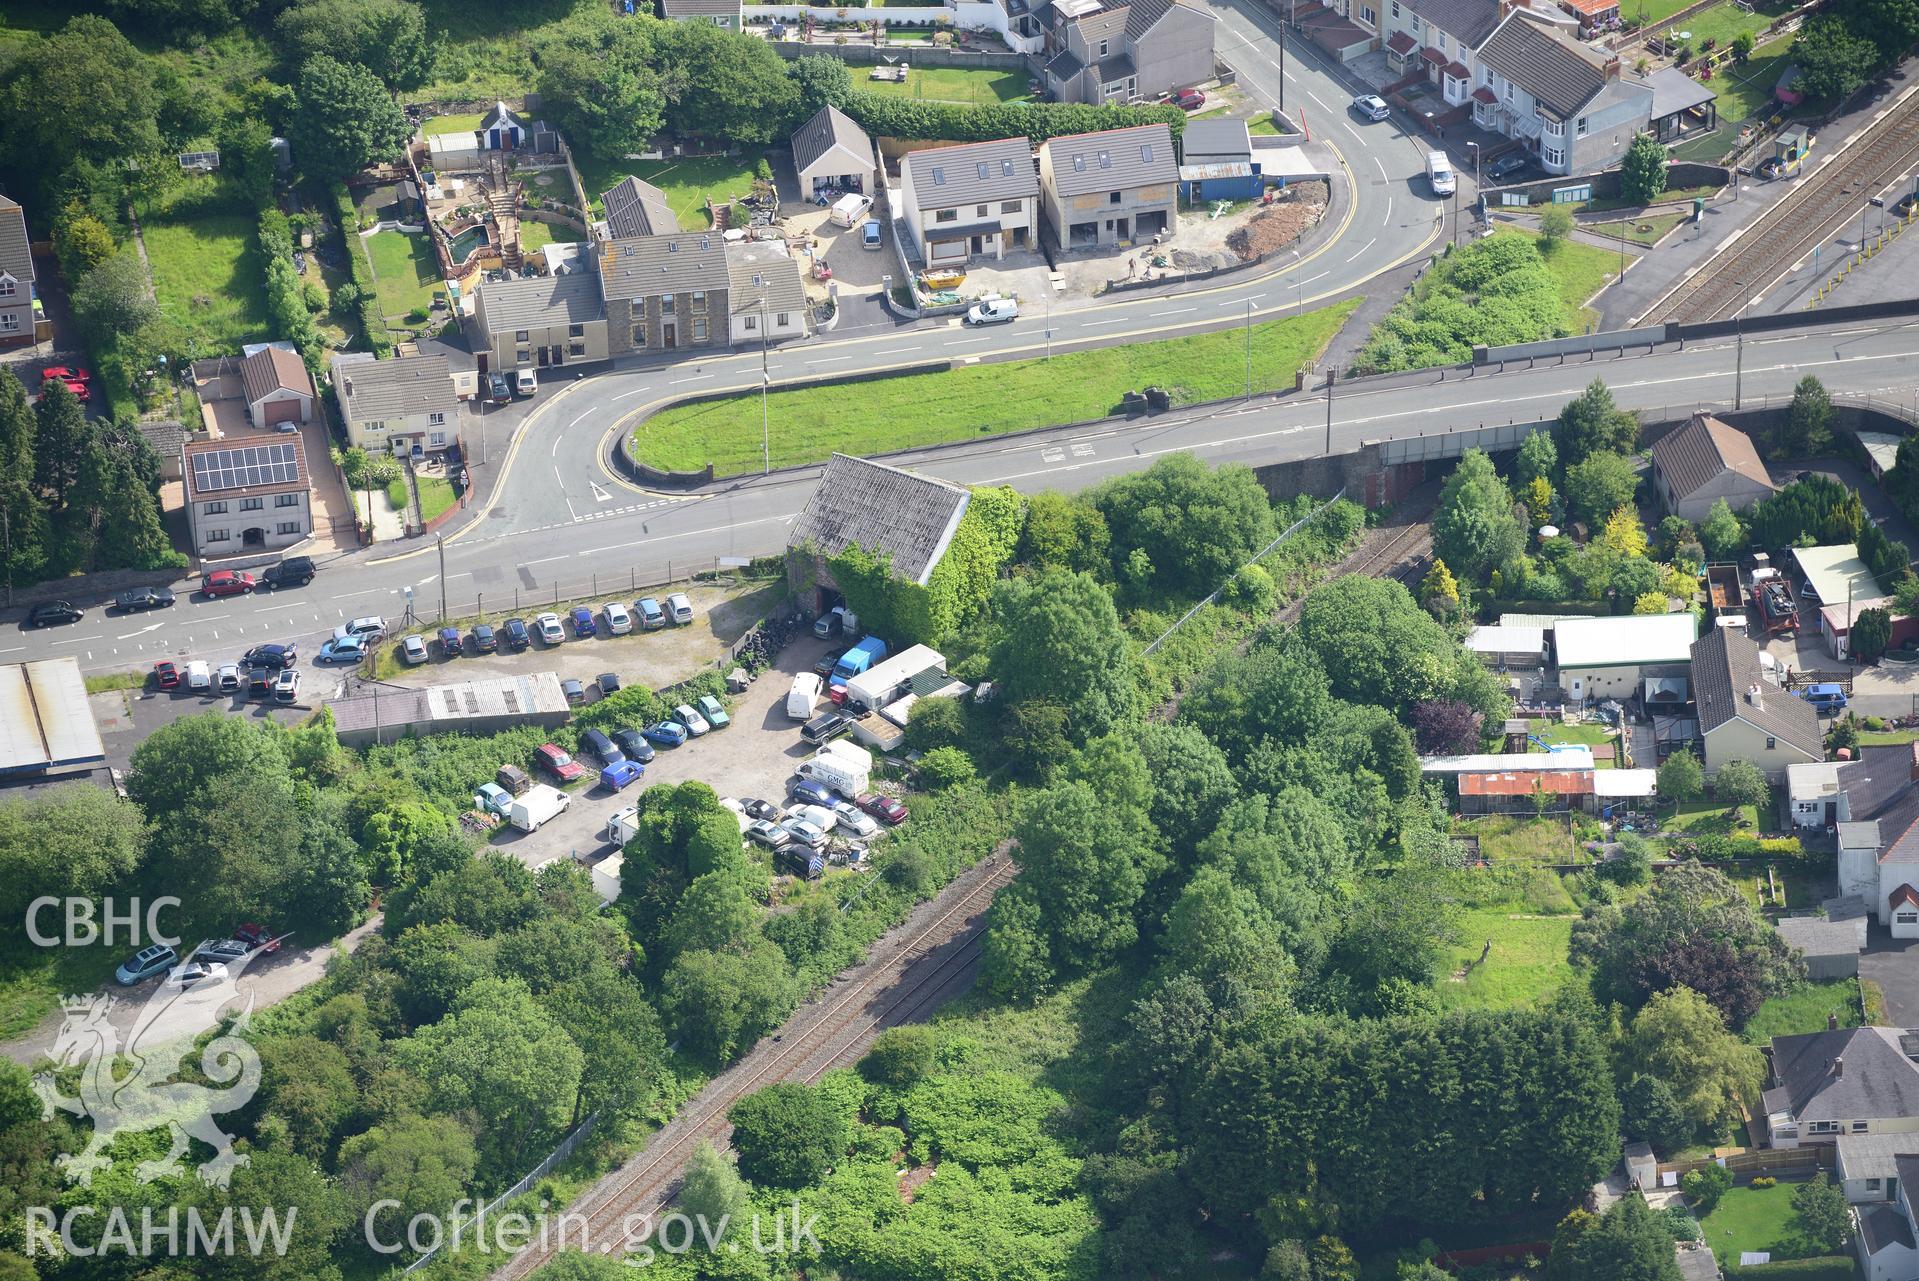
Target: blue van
(1825,699)
(621,774)
(858,659)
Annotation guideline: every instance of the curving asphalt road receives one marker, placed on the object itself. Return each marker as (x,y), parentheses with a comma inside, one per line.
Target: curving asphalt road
(747,518)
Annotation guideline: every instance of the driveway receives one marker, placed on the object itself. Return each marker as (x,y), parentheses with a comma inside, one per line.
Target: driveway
(1894,965)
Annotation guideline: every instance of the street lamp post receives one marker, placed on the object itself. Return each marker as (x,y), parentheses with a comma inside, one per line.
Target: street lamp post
(1298,289)
(766,378)
(1739,347)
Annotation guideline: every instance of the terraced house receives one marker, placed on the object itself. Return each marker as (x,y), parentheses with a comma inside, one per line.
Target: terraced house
(1437,38)
(665,292)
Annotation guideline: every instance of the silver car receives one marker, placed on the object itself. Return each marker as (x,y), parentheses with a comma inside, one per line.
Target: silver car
(548,626)
(1371,106)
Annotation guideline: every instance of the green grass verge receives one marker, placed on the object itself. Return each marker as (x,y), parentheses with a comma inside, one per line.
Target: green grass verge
(1262,125)
(1649,230)
(1804,1009)
(688,182)
(207,271)
(976,86)
(452,124)
(33,979)
(106,682)
(406,272)
(1581,270)
(1527,962)
(1887,737)
(808,423)
(436,495)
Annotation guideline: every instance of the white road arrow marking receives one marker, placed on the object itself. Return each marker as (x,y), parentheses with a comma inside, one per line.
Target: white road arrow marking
(600,495)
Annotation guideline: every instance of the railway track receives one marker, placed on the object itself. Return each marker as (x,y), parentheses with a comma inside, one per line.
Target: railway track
(929,962)
(1789,230)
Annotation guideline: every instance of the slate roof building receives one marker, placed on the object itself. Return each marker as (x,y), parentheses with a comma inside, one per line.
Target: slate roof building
(1843,1081)
(1115,187)
(1566,101)
(541,321)
(401,405)
(665,292)
(976,199)
(766,299)
(1099,51)
(1743,715)
(635,207)
(1875,815)
(16,275)
(829,150)
(889,511)
(1831,948)
(1705,461)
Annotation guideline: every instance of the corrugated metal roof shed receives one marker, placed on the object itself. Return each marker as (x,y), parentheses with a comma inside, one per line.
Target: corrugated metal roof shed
(45,722)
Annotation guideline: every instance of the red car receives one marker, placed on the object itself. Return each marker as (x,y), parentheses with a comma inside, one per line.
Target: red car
(562,767)
(257,938)
(165,674)
(885,808)
(65,374)
(79,390)
(225,582)
(1188,99)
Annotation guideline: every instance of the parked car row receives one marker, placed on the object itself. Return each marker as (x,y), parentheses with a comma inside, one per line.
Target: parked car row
(294,571)
(517,634)
(207,961)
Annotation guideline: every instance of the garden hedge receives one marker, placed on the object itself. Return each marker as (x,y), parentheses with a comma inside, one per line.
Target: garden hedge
(1828,1267)
(372,320)
(958,122)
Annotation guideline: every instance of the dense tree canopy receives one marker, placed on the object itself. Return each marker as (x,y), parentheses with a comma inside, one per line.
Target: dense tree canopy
(346,121)
(1056,636)
(1196,524)
(1593,423)
(1474,528)
(387,37)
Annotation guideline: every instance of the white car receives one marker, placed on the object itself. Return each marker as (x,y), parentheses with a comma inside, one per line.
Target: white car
(992,311)
(192,972)
(371,629)
(818,815)
(695,723)
(1371,106)
(413,649)
(228,679)
(855,821)
(199,676)
(548,626)
(619,620)
(286,686)
(679,608)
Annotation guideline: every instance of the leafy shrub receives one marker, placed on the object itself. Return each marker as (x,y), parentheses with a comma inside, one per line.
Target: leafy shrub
(1765,1181)
(945,767)
(372,321)
(955,122)
(1704,1186)
(1492,292)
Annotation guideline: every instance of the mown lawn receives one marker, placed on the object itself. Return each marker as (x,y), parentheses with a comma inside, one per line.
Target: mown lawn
(1649,230)
(974,85)
(1887,737)
(534,234)
(1527,962)
(405,271)
(689,182)
(206,265)
(1749,1219)
(808,423)
(1804,1009)
(453,124)
(1707,817)
(436,495)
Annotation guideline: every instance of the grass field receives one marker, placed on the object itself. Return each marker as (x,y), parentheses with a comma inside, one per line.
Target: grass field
(207,270)
(1762,1219)
(1725,20)
(974,85)
(688,182)
(436,495)
(405,270)
(534,234)
(809,423)
(1649,230)
(1527,962)
(1804,1009)
(1581,271)
(452,124)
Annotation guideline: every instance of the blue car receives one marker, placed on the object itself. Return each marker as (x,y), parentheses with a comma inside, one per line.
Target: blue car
(620,774)
(665,734)
(343,649)
(450,643)
(811,792)
(583,624)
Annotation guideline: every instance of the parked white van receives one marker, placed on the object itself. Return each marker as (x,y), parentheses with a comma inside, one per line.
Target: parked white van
(1439,172)
(803,697)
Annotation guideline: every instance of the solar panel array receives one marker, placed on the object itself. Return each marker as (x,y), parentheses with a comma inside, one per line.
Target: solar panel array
(219,469)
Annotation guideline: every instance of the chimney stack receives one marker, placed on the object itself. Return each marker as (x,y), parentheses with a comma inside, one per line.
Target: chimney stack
(1753,696)
(1839,1066)
(1832,1020)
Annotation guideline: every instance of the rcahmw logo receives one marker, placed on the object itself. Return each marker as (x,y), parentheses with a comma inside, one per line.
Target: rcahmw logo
(164,1233)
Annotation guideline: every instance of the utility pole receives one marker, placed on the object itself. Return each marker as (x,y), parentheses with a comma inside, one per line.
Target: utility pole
(440,541)
(1739,349)
(6,525)
(766,378)
(1331,376)
(1249,349)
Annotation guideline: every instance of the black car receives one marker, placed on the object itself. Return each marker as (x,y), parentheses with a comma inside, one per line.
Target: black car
(484,641)
(499,390)
(294,571)
(1507,166)
(517,637)
(260,684)
(50,613)
(600,747)
(272,658)
(609,683)
(826,727)
(143,598)
(634,744)
(759,809)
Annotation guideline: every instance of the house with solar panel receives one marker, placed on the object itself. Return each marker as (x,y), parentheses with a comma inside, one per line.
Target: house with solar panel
(246,494)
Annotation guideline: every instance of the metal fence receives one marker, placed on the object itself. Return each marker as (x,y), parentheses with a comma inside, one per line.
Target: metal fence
(538,1172)
(427,608)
